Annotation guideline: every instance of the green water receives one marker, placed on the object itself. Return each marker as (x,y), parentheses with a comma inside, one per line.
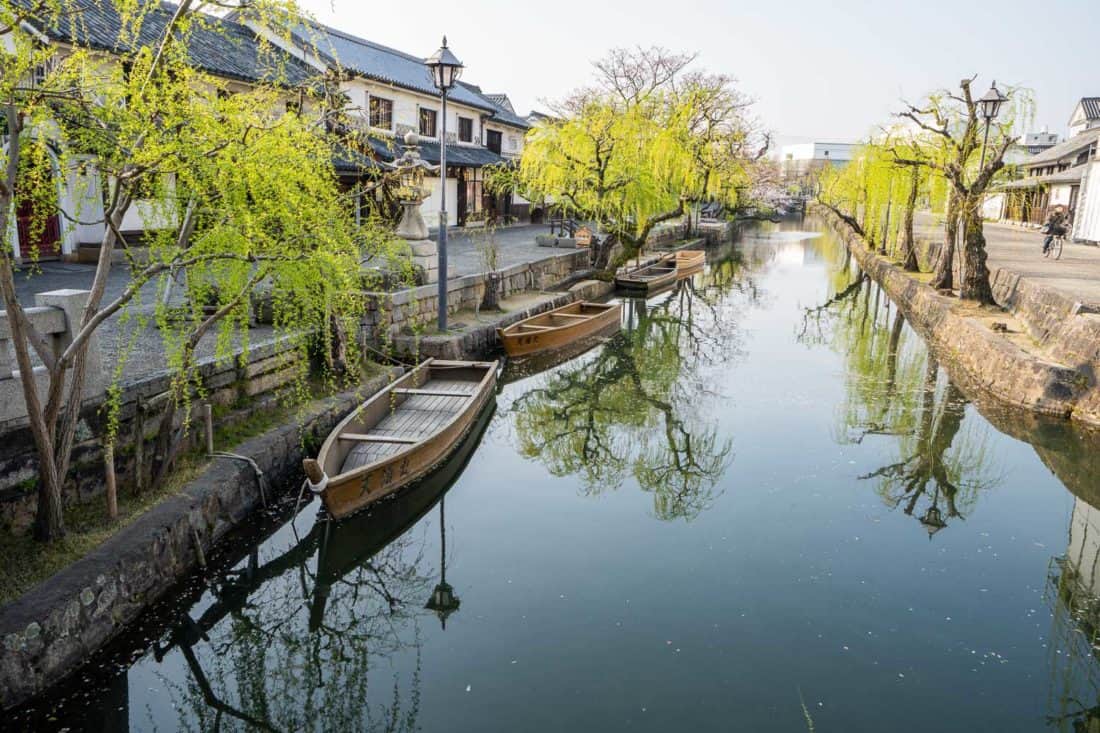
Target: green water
(761,507)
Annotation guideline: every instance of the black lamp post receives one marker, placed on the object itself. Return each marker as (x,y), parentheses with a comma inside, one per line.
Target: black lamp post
(990,104)
(445,69)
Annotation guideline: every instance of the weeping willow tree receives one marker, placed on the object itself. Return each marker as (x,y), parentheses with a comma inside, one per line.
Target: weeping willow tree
(947,147)
(632,151)
(236,192)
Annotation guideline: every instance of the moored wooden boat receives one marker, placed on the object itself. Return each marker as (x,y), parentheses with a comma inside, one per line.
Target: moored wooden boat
(556,328)
(347,545)
(400,434)
(688,260)
(649,277)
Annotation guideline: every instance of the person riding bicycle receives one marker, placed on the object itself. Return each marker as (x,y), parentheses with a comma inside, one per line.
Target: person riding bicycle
(1055,226)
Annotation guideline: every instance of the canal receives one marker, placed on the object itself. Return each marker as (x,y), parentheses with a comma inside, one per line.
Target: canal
(762,506)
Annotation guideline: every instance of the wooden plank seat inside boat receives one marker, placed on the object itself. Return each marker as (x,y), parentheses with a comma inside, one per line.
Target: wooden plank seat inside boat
(417,414)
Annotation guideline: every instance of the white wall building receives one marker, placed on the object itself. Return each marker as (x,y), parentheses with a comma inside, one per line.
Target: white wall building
(390,93)
(800,162)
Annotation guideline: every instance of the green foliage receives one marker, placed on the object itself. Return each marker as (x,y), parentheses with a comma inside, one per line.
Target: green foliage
(238,196)
(629,153)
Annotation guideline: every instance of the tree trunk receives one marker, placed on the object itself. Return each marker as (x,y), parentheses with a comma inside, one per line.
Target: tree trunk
(338,348)
(908,248)
(600,254)
(490,301)
(943,277)
(109,475)
(975,275)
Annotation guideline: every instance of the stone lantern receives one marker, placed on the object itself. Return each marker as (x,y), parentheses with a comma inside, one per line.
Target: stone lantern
(412,228)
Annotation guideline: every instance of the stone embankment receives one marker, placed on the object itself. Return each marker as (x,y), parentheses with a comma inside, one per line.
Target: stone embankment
(1045,362)
(50,631)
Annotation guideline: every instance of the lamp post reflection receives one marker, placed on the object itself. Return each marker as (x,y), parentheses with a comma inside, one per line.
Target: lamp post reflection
(443,601)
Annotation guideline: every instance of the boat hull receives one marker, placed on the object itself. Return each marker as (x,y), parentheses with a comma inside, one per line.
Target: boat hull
(517,341)
(645,279)
(349,492)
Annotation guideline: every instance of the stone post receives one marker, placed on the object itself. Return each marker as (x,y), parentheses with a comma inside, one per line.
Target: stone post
(414,231)
(72,302)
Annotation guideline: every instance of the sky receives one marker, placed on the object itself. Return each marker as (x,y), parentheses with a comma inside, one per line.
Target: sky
(822,70)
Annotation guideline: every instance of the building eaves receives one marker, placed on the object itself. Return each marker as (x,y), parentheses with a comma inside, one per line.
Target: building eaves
(1064,149)
(218,46)
(375,61)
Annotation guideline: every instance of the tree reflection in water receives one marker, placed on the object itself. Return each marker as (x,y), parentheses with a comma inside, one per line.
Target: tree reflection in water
(895,389)
(632,408)
(268,666)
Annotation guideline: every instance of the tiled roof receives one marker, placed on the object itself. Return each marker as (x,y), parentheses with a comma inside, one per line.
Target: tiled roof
(1091,107)
(218,46)
(348,161)
(375,61)
(1069,175)
(1065,149)
(466,156)
(500,100)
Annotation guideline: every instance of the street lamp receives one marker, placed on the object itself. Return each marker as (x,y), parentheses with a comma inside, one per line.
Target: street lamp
(990,103)
(445,69)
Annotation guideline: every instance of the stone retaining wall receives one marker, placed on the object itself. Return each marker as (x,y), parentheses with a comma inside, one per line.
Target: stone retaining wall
(976,356)
(247,388)
(51,630)
(390,314)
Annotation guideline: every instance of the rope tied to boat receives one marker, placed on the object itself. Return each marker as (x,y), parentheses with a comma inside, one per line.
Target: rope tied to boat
(261,480)
(319,487)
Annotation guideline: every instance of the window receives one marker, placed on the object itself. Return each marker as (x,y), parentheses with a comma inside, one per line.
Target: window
(492,141)
(293,107)
(466,129)
(381,113)
(428,119)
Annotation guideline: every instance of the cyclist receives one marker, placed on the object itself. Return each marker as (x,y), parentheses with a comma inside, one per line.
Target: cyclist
(1055,226)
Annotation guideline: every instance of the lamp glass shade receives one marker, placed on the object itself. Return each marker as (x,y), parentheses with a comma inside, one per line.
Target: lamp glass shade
(991,103)
(444,66)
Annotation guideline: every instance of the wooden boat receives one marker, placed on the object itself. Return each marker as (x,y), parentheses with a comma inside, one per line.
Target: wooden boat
(400,434)
(649,277)
(347,545)
(688,260)
(559,327)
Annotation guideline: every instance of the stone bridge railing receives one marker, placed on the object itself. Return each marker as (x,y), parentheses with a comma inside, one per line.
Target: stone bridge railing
(53,315)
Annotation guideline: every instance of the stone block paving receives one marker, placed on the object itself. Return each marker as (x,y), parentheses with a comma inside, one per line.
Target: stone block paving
(1076,274)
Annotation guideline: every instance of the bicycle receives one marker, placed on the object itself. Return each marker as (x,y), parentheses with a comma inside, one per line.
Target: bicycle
(1054,249)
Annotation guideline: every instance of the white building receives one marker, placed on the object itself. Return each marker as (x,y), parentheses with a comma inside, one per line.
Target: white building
(801,162)
(1086,116)
(390,93)
(1060,175)
(229,52)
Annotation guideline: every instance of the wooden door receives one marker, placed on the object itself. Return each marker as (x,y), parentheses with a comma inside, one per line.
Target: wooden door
(461,202)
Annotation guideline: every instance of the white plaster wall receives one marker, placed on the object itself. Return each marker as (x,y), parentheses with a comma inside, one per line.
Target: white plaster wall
(407,104)
(1059,195)
(1086,225)
(1084,544)
(430,208)
(993,206)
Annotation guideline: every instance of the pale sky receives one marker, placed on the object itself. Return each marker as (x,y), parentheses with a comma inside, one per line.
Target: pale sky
(822,69)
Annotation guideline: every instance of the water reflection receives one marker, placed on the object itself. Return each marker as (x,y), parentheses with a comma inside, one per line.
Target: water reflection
(896,391)
(633,408)
(808,591)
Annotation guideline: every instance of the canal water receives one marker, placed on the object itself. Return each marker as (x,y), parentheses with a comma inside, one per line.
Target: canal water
(762,506)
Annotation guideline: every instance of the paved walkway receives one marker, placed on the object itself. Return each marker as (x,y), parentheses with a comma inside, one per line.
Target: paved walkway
(1076,274)
(515,244)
